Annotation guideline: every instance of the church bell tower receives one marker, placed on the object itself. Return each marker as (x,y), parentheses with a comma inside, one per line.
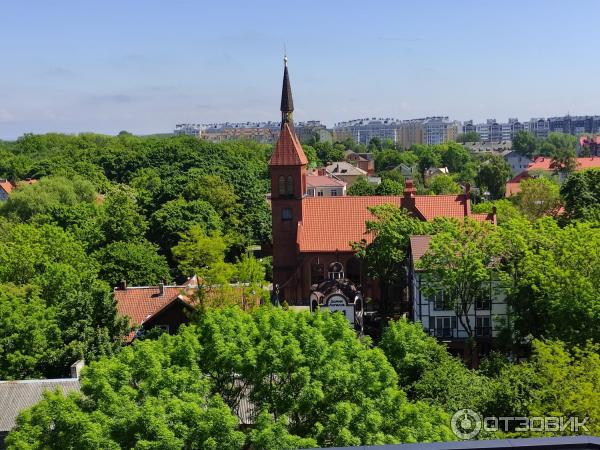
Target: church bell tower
(288,187)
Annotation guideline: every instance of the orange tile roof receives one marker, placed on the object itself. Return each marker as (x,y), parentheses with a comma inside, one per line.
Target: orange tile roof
(419,245)
(6,186)
(432,206)
(513,186)
(544,162)
(288,151)
(142,303)
(331,224)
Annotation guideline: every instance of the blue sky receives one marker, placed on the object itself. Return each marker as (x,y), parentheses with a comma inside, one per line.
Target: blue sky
(144,66)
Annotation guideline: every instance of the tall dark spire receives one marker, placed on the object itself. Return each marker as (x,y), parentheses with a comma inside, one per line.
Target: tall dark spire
(287,103)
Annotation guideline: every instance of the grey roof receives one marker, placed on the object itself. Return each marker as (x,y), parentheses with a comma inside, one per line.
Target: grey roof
(15,396)
(558,443)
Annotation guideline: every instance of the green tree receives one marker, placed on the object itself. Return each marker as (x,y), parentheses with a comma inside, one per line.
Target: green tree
(455,157)
(44,197)
(293,366)
(463,264)
(389,187)
(361,187)
(122,219)
(152,395)
(581,193)
(525,144)
(137,262)
(469,136)
(444,184)
(492,175)
(539,197)
(178,216)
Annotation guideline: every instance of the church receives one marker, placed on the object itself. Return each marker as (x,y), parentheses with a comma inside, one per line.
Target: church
(313,235)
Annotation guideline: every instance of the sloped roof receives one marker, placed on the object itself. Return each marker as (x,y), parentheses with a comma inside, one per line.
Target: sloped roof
(432,206)
(419,244)
(332,223)
(288,151)
(344,168)
(6,186)
(144,302)
(15,396)
(544,162)
(315,180)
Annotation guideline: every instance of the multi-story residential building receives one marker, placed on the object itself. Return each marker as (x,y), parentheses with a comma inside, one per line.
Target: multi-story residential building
(538,127)
(263,132)
(486,316)
(313,129)
(575,125)
(437,130)
(410,132)
(189,129)
(363,130)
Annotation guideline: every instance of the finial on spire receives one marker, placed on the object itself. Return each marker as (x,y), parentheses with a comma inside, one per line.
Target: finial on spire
(287,103)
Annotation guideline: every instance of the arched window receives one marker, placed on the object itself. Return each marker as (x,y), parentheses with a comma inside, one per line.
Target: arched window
(281,185)
(289,188)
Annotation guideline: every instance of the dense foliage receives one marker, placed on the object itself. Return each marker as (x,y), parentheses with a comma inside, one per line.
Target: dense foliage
(310,380)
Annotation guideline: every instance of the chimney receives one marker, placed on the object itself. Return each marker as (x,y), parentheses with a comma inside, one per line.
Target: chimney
(76,368)
(409,189)
(494,211)
(122,285)
(161,289)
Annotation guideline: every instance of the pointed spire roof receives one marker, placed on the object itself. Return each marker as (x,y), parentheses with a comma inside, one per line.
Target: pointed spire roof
(288,151)
(287,102)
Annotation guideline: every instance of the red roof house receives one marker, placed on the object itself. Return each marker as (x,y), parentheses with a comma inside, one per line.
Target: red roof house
(544,163)
(149,306)
(6,188)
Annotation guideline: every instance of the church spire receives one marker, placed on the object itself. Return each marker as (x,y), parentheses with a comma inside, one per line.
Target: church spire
(287,103)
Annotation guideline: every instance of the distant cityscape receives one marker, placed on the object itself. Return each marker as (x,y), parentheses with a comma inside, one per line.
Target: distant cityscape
(404,133)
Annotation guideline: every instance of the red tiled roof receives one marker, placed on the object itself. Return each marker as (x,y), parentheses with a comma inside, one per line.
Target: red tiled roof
(288,151)
(418,246)
(432,206)
(314,180)
(513,186)
(142,303)
(544,162)
(6,186)
(331,224)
